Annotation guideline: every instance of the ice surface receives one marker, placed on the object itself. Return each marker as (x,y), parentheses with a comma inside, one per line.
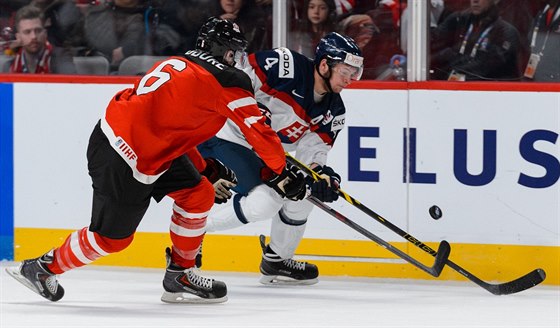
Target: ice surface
(130,297)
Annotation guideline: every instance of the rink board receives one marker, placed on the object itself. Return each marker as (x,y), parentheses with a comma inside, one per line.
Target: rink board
(487,155)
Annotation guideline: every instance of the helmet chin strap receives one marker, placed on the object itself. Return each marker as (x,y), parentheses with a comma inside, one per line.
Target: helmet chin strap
(327,79)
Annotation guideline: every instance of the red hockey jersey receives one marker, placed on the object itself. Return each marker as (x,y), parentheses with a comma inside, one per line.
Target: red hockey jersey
(180,103)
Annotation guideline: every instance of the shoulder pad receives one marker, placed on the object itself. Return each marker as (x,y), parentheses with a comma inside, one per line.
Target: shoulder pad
(226,75)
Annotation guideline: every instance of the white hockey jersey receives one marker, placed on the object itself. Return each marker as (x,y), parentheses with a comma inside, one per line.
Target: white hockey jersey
(283,81)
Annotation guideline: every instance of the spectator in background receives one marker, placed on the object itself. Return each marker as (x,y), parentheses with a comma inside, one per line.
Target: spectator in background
(63,21)
(544,37)
(345,6)
(383,31)
(251,18)
(519,14)
(175,24)
(437,12)
(117,30)
(475,44)
(544,62)
(362,29)
(85,5)
(319,19)
(8,10)
(35,54)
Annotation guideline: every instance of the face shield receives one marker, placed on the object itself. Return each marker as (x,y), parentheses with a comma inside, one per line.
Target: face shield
(353,67)
(240,58)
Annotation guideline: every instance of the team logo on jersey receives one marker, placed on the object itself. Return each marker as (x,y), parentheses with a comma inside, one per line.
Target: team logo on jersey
(327,118)
(125,149)
(338,122)
(292,133)
(286,63)
(297,94)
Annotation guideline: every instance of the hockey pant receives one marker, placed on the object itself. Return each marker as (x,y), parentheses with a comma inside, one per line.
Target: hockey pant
(289,218)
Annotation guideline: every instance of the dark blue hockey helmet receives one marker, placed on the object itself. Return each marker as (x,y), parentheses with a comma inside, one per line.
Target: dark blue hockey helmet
(217,36)
(338,48)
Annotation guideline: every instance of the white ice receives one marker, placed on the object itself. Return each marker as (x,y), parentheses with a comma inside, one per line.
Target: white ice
(129,297)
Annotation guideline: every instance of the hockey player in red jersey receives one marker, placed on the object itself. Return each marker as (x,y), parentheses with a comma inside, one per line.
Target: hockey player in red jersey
(145,147)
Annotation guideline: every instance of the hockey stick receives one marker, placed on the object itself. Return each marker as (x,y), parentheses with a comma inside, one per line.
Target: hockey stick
(522,283)
(435,270)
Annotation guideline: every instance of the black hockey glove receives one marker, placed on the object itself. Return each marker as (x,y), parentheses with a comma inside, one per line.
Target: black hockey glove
(222,177)
(326,189)
(289,184)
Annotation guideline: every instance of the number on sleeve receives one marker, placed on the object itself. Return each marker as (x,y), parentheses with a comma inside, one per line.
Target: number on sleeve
(270,61)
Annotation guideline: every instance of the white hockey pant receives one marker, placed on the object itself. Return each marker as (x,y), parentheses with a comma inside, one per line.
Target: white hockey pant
(289,218)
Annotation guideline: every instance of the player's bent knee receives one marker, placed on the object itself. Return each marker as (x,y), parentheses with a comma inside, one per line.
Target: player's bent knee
(111,245)
(199,198)
(204,193)
(261,204)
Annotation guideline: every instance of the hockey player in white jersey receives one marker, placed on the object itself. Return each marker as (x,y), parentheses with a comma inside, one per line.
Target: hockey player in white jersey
(302,97)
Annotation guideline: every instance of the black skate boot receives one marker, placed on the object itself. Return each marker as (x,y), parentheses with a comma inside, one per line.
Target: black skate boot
(35,275)
(183,285)
(277,271)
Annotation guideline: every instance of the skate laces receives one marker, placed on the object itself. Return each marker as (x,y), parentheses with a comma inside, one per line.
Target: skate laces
(293,264)
(201,281)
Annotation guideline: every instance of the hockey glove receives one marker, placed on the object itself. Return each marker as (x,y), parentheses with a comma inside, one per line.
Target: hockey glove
(326,189)
(289,184)
(222,177)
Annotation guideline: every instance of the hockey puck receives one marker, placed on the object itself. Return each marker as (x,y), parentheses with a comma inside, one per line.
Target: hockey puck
(435,212)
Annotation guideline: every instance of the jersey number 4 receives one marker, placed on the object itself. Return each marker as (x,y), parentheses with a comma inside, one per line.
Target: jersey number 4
(156,78)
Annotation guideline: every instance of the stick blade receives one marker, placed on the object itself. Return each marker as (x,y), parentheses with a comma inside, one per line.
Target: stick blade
(527,281)
(443,252)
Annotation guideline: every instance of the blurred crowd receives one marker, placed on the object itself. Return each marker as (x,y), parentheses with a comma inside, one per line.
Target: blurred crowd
(498,40)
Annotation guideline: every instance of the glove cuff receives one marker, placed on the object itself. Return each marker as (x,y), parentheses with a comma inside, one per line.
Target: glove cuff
(267,174)
(211,170)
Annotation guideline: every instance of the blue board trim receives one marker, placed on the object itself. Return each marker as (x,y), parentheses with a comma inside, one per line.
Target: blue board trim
(6,172)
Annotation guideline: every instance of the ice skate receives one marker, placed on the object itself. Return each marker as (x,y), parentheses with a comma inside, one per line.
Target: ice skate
(277,271)
(185,285)
(35,275)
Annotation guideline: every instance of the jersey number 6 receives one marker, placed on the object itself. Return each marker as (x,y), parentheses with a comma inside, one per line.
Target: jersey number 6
(159,77)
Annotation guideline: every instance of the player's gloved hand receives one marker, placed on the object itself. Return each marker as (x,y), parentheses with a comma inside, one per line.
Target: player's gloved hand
(326,189)
(222,177)
(289,184)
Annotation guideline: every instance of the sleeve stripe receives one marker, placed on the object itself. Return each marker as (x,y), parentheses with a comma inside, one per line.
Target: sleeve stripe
(241,103)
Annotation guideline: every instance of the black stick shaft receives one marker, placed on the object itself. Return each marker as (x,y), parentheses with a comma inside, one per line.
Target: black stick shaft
(340,217)
(529,280)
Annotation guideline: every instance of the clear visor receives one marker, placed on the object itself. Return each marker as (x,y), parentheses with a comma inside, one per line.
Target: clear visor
(355,62)
(349,72)
(235,57)
(240,58)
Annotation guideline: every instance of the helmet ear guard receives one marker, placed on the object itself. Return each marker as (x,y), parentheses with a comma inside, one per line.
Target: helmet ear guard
(218,36)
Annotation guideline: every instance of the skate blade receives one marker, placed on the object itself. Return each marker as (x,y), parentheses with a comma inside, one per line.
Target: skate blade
(15,273)
(286,281)
(188,298)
